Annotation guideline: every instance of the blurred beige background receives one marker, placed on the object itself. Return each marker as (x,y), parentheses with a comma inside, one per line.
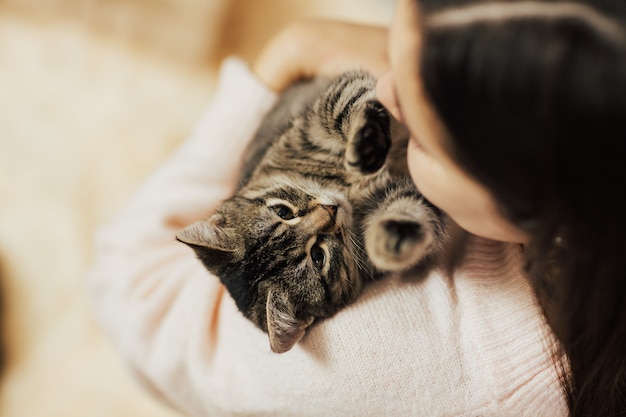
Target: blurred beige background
(93,95)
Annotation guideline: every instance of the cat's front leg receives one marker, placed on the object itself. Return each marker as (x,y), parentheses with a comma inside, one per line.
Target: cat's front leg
(369,140)
(402,228)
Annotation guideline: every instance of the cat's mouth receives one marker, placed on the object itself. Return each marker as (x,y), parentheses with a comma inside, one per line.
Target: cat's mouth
(337,200)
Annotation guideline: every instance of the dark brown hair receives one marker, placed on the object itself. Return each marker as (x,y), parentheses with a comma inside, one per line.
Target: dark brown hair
(536,110)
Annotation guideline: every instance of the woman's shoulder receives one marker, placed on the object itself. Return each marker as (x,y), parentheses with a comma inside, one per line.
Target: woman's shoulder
(473,338)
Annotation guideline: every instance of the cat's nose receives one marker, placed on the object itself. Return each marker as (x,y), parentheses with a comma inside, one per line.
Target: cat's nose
(330,209)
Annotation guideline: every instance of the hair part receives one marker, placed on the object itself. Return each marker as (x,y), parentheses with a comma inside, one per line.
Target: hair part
(498,12)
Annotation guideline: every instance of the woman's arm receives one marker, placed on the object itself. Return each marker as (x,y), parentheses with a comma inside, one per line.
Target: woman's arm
(148,291)
(411,344)
(314,47)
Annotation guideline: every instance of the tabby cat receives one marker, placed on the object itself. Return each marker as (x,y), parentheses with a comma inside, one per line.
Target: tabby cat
(321,209)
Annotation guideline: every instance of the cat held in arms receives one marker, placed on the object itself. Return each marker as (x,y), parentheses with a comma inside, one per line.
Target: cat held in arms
(325,203)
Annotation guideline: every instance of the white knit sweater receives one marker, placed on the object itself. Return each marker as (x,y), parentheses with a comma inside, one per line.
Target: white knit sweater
(471,344)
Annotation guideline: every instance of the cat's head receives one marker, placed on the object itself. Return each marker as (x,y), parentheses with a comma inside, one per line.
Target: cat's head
(284,253)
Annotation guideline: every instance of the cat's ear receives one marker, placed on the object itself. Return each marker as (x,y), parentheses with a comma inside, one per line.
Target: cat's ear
(215,243)
(283,328)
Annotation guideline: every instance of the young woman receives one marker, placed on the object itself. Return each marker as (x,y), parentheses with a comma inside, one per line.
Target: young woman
(516,113)
(527,99)
(514,110)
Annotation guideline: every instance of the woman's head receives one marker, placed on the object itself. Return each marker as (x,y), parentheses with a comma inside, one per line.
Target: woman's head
(436,173)
(517,113)
(522,97)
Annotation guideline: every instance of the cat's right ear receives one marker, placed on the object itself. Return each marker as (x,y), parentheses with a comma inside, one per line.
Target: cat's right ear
(213,241)
(283,328)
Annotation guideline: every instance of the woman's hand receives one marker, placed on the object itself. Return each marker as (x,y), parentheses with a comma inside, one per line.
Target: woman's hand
(316,47)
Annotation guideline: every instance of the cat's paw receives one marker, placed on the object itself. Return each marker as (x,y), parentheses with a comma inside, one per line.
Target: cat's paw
(396,243)
(368,147)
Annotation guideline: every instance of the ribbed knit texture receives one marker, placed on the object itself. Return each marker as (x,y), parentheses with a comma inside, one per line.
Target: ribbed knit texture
(468,344)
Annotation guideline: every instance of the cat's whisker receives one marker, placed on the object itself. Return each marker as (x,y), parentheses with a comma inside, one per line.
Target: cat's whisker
(357,252)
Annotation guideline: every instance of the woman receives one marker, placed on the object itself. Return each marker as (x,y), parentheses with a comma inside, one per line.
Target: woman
(518,108)
(542,129)
(498,99)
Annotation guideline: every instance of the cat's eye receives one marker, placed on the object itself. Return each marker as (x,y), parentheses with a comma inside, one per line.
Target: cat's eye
(283,212)
(318,256)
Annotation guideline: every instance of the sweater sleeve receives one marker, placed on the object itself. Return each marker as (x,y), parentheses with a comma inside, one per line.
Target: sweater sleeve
(142,279)
(467,344)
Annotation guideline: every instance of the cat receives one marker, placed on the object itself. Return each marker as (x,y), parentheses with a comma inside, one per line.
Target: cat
(325,204)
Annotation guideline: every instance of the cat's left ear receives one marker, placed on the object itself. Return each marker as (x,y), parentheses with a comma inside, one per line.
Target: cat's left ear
(283,328)
(215,243)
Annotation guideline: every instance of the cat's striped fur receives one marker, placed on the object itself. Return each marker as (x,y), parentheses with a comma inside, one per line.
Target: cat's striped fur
(321,209)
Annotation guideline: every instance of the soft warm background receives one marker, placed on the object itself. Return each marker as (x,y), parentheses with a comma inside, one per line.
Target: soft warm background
(93,95)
